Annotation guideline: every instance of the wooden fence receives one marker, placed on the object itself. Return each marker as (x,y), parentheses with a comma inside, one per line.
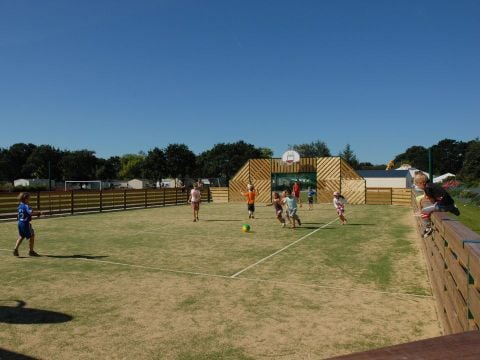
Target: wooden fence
(81,201)
(219,194)
(388,196)
(453,262)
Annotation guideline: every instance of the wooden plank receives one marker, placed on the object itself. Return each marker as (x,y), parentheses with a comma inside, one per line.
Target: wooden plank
(458,302)
(452,316)
(458,273)
(465,346)
(474,262)
(474,303)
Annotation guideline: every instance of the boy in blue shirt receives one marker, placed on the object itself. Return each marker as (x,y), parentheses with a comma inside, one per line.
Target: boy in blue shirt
(25,229)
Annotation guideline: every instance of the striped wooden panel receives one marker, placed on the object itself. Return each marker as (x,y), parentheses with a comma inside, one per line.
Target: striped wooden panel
(347,172)
(378,196)
(260,170)
(328,178)
(354,191)
(402,197)
(242,175)
(235,187)
(304,165)
(219,194)
(264,189)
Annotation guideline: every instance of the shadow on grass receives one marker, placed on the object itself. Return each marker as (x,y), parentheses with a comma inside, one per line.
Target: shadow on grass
(10,355)
(19,314)
(77,256)
(219,220)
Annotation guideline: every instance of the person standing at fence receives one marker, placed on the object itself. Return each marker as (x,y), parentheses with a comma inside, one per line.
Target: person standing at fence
(195,199)
(439,197)
(296,192)
(339,204)
(25,229)
(250,196)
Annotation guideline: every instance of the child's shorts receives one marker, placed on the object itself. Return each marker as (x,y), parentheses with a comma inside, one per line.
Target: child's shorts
(25,230)
(340,210)
(195,205)
(310,200)
(292,212)
(251,207)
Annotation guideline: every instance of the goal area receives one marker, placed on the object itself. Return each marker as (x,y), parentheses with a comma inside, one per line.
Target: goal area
(83,185)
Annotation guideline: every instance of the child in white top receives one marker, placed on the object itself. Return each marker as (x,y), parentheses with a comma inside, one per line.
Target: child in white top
(339,204)
(195,199)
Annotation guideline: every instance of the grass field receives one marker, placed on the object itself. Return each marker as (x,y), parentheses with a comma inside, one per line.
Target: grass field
(470,213)
(152,284)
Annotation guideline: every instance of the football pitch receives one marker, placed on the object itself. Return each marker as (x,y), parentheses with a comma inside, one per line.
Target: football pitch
(152,284)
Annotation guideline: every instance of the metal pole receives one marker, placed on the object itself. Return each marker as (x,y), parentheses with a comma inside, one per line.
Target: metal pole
(49,177)
(430,171)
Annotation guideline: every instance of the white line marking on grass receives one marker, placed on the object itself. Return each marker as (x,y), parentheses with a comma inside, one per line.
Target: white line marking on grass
(282,249)
(266,281)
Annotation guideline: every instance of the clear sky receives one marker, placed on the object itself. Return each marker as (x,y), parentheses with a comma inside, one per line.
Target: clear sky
(120,77)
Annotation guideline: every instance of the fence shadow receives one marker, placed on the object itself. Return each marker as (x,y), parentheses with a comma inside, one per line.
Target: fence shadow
(10,355)
(20,314)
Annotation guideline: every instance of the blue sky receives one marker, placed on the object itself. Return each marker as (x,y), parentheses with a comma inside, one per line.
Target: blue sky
(120,77)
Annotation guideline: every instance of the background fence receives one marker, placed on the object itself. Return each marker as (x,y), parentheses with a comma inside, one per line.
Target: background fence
(453,262)
(388,196)
(81,201)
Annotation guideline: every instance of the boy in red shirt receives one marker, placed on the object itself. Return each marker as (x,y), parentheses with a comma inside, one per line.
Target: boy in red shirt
(250,196)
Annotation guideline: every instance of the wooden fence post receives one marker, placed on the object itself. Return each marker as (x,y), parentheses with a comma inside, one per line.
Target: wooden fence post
(101,201)
(145,198)
(124,199)
(72,202)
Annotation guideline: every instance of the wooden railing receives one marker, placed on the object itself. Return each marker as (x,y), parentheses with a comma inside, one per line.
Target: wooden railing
(81,201)
(388,196)
(453,262)
(219,194)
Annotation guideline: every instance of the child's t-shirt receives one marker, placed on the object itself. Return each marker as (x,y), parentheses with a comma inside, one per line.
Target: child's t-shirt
(439,194)
(291,203)
(195,195)
(24,213)
(251,197)
(310,193)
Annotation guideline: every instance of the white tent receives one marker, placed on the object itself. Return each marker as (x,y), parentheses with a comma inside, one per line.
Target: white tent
(441,178)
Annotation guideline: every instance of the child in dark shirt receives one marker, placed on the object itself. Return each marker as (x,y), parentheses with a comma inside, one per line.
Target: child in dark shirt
(438,196)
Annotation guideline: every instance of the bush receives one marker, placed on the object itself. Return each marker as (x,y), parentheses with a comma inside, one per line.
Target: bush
(6,186)
(31,188)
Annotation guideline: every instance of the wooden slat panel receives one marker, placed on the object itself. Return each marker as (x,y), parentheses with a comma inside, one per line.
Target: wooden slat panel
(474,303)
(328,178)
(458,273)
(354,191)
(219,195)
(458,302)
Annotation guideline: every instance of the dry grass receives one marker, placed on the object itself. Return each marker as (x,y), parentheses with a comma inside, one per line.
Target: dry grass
(151,284)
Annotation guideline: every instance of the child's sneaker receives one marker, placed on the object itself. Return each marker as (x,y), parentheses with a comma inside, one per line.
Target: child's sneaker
(15,252)
(32,253)
(427,232)
(455,211)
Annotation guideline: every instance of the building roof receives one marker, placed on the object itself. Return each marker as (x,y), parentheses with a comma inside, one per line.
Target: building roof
(383,173)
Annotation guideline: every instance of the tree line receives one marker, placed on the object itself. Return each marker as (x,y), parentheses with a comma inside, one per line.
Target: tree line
(222,161)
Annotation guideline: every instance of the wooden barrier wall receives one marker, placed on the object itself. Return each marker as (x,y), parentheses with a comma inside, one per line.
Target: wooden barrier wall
(453,263)
(81,201)
(333,174)
(219,194)
(388,196)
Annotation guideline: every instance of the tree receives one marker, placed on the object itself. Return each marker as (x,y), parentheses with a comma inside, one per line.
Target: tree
(224,160)
(265,153)
(180,160)
(314,149)
(448,156)
(370,166)
(79,165)
(155,164)
(37,164)
(348,155)
(416,156)
(471,166)
(14,159)
(132,166)
(108,169)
